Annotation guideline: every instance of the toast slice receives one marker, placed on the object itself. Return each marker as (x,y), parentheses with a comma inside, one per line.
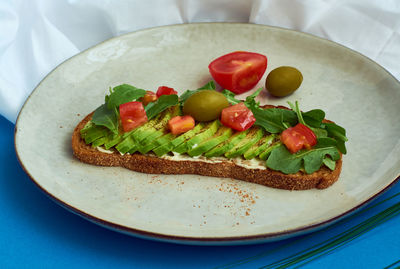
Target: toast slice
(149,163)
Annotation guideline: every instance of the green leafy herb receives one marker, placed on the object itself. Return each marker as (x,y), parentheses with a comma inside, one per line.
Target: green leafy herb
(209,86)
(251,99)
(338,133)
(282,160)
(123,94)
(231,97)
(249,102)
(296,109)
(103,116)
(314,118)
(319,133)
(328,162)
(162,103)
(274,120)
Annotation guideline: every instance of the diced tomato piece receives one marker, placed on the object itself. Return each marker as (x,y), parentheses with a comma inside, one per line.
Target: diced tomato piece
(298,137)
(148,98)
(132,115)
(164,90)
(181,124)
(238,71)
(237,117)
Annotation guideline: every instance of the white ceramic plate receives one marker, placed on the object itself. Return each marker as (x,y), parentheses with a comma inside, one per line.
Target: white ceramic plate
(353,91)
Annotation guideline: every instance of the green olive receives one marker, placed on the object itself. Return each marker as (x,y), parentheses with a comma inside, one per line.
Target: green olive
(205,105)
(283,81)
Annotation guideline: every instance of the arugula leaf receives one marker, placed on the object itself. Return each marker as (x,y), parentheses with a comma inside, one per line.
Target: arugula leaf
(249,102)
(313,118)
(162,103)
(274,120)
(251,99)
(328,162)
(231,97)
(106,117)
(282,160)
(209,86)
(123,94)
(319,133)
(339,133)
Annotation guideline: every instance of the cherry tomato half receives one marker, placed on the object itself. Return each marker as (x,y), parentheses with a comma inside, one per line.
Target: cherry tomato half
(181,124)
(148,98)
(298,137)
(132,115)
(237,117)
(238,71)
(164,90)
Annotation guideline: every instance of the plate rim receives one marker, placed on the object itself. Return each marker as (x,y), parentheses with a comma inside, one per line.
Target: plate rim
(193,240)
(189,240)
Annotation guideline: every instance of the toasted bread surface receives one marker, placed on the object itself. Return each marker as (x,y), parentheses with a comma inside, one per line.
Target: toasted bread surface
(320,179)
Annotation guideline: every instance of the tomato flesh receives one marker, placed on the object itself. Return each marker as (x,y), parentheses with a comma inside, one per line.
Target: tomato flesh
(164,90)
(132,115)
(148,98)
(238,71)
(237,117)
(298,137)
(181,124)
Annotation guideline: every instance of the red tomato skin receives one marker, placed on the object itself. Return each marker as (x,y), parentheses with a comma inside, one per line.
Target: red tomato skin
(132,115)
(298,137)
(237,117)
(238,71)
(181,124)
(148,98)
(310,137)
(164,90)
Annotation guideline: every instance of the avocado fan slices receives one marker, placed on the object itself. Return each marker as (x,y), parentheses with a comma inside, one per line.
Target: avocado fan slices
(209,139)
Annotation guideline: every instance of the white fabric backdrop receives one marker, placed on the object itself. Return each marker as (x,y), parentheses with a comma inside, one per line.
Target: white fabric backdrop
(37,35)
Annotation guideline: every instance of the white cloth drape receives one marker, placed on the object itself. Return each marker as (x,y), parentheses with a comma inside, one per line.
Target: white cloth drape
(37,35)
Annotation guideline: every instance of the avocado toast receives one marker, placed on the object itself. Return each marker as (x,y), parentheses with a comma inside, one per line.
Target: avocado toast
(211,148)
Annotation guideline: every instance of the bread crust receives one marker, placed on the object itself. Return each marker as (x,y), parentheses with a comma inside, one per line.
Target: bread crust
(320,179)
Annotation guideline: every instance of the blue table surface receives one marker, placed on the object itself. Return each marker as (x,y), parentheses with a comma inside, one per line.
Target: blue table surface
(35,232)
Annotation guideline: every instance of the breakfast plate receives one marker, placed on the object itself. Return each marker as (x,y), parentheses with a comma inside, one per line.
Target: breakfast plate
(353,90)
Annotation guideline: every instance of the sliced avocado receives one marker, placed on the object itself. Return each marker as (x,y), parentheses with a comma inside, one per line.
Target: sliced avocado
(167,115)
(126,145)
(99,142)
(112,142)
(185,136)
(94,133)
(133,150)
(252,137)
(85,128)
(259,147)
(167,147)
(127,139)
(148,128)
(227,145)
(160,129)
(166,138)
(221,135)
(207,132)
(265,154)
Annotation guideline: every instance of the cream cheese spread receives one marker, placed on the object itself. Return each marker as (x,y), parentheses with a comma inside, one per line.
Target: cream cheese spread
(249,164)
